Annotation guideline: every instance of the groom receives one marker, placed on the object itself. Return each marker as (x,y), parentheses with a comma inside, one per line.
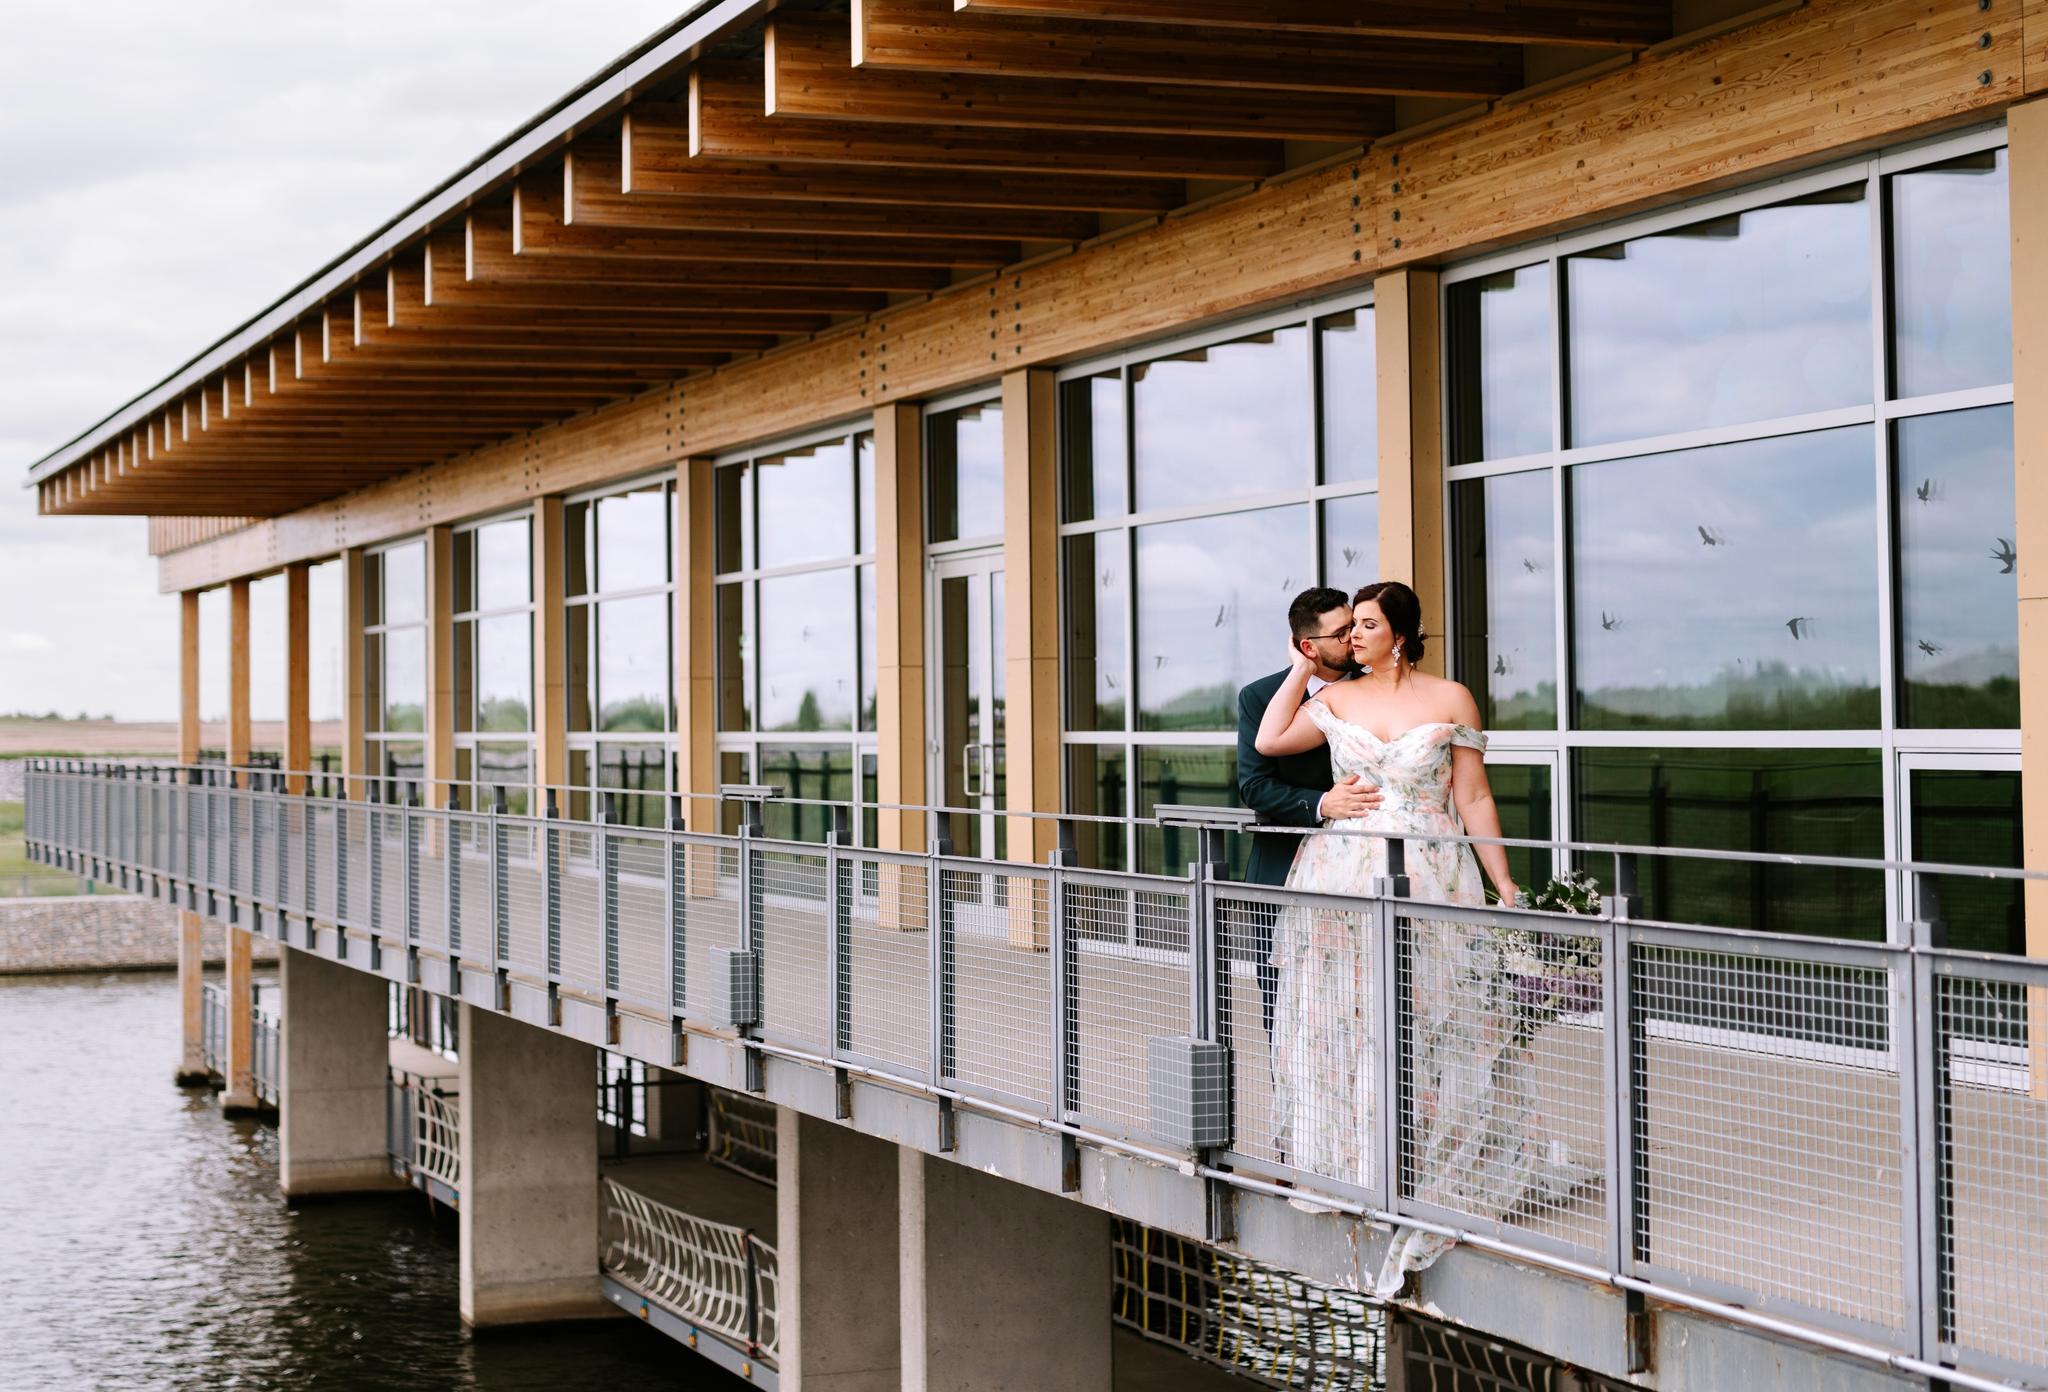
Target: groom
(1294,789)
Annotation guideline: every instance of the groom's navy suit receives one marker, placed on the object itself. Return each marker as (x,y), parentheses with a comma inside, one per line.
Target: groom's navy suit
(1284,791)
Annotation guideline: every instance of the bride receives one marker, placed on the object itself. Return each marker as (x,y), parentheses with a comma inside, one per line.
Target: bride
(1471,1143)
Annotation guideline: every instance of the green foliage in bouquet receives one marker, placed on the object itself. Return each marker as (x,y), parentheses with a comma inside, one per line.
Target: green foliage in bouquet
(1549,974)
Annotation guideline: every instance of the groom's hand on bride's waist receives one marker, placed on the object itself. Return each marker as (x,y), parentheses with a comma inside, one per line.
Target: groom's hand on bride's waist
(1353,797)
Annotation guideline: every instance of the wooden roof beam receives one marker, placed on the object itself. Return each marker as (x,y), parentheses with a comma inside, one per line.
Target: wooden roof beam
(538,229)
(929,36)
(729,121)
(655,159)
(810,73)
(1565,23)
(592,177)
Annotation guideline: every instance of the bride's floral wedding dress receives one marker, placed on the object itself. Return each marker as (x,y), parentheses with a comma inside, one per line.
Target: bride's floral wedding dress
(1472,1141)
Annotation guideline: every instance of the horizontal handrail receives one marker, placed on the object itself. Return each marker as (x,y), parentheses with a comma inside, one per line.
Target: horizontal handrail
(1186,1020)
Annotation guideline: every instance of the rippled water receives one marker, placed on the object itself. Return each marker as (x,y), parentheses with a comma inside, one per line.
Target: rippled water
(143,1243)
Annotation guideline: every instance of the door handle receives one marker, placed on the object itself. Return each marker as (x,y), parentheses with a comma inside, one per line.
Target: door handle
(970,770)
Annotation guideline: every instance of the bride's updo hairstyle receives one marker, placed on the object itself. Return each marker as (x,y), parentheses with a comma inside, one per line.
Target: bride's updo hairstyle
(1403,613)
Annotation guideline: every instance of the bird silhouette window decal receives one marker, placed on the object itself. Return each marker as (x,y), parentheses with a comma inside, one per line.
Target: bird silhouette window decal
(2005,555)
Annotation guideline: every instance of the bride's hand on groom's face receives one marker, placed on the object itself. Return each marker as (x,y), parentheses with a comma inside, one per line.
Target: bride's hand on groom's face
(1300,663)
(1353,797)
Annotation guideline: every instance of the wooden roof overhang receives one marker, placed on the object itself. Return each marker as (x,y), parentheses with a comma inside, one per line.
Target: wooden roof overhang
(757,174)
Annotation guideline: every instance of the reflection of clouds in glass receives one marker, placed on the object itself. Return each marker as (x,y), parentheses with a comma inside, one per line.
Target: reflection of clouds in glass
(1951,276)
(266,648)
(806,646)
(405,583)
(1780,610)
(1351,542)
(1501,352)
(1097,590)
(1092,446)
(632,540)
(504,672)
(405,678)
(806,503)
(1223,422)
(632,663)
(967,472)
(1510,642)
(1212,611)
(1746,317)
(324,640)
(1350,398)
(1958,608)
(504,564)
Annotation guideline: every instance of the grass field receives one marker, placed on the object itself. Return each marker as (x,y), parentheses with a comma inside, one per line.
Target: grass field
(19,876)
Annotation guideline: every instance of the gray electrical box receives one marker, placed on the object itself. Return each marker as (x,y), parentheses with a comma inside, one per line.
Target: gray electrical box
(1190,1089)
(735,987)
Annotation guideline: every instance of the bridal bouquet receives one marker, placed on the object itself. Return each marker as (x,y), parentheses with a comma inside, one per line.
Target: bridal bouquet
(1550,975)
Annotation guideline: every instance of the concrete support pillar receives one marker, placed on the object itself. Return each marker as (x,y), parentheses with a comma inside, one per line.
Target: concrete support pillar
(836,1251)
(331,1069)
(528,1136)
(240,991)
(1005,1288)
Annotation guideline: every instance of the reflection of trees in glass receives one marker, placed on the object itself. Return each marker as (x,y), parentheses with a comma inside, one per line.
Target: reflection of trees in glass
(1500,342)
(637,715)
(503,713)
(408,716)
(1766,696)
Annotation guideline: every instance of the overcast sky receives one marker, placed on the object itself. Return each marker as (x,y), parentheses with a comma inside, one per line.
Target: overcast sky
(172,169)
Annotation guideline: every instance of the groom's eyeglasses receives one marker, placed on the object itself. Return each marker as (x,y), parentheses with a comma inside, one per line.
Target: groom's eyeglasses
(1340,633)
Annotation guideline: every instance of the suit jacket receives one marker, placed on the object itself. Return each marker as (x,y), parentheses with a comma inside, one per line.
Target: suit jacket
(1283,791)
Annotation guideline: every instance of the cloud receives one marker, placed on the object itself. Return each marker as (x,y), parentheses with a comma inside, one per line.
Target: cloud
(173,169)
(28,642)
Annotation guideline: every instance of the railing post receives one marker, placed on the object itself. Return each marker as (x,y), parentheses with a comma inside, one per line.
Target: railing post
(501,908)
(1622,1069)
(309,881)
(753,1280)
(838,934)
(677,872)
(608,897)
(451,857)
(1066,1072)
(341,913)
(940,907)
(551,899)
(1388,956)
(374,849)
(750,908)
(1918,1040)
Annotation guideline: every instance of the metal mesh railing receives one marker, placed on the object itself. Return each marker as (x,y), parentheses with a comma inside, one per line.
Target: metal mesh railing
(720,1278)
(213,1028)
(264,1058)
(1801,1134)
(742,1134)
(424,1117)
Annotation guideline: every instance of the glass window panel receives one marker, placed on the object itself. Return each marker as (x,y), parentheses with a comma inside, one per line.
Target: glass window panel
(326,696)
(1098,778)
(1951,276)
(504,672)
(266,658)
(1205,775)
(637,777)
(1226,421)
(1212,611)
(1823,802)
(734,766)
(405,679)
(806,502)
(1972,817)
(864,490)
(818,772)
(1351,417)
(633,682)
(405,768)
(964,461)
(870,818)
(807,651)
(405,583)
(1351,541)
(1501,345)
(464,645)
(733,527)
(373,590)
(579,550)
(1727,588)
(1506,586)
(1958,581)
(735,659)
(632,539)
(504,564)
(1521,792)
(1098,648)
(506,765)
(1092,447)
(580,779)
(464,567)
(373,679)
(1745,317)
(870,664)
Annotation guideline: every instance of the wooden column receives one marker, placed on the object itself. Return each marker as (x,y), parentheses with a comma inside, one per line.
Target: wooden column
(550,654)
(1031,637)
(1407,327)
(238,677)
(298,686)
(354,679)
(191,927)
(440,715)
(696,648)
(899,624)
(240,980)
(2027,131)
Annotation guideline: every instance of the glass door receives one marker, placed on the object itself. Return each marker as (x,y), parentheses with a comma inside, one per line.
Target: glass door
(966,648)
(1963,808)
